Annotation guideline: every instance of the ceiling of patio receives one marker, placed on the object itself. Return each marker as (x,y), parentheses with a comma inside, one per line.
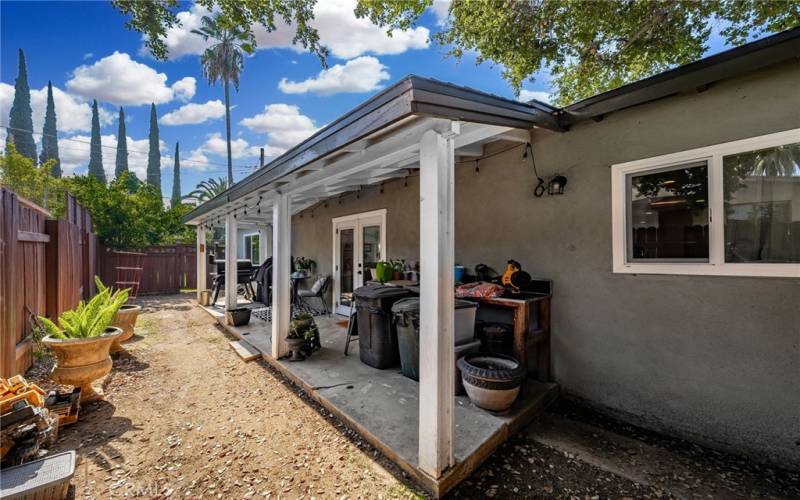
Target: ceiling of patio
(389,153)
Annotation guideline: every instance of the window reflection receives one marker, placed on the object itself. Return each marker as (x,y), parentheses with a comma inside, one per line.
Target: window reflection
(762,205)
(667,213)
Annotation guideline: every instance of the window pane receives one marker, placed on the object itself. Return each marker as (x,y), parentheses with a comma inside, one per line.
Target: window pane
(667,214)
(762,205)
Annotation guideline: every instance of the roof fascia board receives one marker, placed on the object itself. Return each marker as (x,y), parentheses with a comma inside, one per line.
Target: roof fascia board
(728,64)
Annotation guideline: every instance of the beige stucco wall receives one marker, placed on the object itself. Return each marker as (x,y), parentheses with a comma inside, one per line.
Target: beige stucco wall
(716,359)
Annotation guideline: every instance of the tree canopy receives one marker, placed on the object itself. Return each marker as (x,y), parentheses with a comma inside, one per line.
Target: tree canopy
(154,152)
(50,134)
(589,46)
(154,18)
(96,148)
(20,121)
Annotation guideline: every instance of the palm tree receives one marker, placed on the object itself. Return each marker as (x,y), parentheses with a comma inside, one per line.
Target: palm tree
(224,60)
(208,189)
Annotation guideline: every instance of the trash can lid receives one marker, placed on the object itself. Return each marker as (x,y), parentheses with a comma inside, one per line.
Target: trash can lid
(379,292)
(410,304)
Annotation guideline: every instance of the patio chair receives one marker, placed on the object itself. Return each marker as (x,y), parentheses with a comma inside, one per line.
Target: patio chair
(318,291)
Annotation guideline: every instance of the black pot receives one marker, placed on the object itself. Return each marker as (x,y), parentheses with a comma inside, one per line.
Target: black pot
(492,381)
(237,317)
(497,338)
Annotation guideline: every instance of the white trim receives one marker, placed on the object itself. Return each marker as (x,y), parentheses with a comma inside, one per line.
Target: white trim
(716,265)
(281,266)
(355,222)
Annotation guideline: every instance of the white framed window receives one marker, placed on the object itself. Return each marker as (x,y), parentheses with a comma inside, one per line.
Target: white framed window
(730,209)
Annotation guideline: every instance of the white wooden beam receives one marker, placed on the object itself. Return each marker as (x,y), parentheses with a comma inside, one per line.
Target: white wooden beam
(436,337)
(202,260)
(231,250)
(281,266)
(264,242)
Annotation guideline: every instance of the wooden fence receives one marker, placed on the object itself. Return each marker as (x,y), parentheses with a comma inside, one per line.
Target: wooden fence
(166,269)
(46,267)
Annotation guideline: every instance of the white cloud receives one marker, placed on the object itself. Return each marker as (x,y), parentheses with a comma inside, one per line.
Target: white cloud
(72,113)
(74,153)
(194,113)
(530,95)
(121,80)
(441,9)
(216,145)
(283,124)
(185,88)
(363,74)
(339,29)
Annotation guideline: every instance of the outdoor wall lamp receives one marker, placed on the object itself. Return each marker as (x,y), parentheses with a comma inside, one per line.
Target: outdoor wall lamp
(556,185)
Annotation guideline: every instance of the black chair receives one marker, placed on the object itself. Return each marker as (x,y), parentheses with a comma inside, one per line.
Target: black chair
(320,293)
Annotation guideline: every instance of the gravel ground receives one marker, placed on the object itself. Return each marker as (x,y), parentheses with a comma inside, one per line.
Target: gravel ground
(184,417)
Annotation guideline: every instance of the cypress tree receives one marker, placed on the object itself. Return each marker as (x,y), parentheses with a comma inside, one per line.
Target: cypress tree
(176,178)
(50,134)
(122,146)
(154,155)
(20,120)
(96,151)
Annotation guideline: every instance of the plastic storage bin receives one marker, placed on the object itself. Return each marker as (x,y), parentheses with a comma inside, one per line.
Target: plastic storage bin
(377,335)
(46,478)
(406,317)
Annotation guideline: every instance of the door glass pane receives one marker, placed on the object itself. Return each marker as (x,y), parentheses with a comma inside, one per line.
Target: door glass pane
(371,239)
(667,214)
(762,205)
(254,250)
(346,237)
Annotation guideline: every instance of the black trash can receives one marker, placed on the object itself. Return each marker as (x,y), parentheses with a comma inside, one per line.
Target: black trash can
(377,335)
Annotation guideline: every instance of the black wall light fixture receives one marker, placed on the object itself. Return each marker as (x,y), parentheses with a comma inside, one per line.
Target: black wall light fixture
(553,186)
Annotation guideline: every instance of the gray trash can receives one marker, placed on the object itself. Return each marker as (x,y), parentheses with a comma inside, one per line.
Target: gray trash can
(377,335)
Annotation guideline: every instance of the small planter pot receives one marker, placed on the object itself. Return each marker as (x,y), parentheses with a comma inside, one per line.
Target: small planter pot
(125,320)
(296,345)
(492,381)
(79,362)
(237,317)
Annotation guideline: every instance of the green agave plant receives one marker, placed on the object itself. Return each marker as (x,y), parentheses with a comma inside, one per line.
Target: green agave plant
(89,319)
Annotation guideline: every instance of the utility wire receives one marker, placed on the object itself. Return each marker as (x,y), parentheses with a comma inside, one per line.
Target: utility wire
(249,168)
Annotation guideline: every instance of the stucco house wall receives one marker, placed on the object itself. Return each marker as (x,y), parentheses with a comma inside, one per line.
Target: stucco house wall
(713,359)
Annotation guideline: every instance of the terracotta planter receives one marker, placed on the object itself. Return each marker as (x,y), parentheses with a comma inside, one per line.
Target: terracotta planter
(79,362)
(125,320)
(492,380)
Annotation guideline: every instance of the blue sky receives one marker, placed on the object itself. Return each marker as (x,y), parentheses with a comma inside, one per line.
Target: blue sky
(84,48)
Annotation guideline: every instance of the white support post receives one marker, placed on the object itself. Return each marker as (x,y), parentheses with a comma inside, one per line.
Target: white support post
(436,337)
(264,242)
(231,250)
(281,268)
(202,260)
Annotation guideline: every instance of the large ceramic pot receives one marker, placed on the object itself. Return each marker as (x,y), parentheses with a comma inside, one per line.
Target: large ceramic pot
(125,320)
(296,346)
(492,380)
(79,362)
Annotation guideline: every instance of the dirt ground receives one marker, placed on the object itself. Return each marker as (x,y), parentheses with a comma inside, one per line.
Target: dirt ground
(184,417)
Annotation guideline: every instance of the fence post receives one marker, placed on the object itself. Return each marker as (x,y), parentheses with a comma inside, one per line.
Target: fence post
(9,282)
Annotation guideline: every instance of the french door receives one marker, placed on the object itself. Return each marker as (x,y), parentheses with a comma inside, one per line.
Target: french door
(359,242)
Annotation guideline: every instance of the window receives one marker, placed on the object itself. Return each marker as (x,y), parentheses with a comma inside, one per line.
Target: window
(251,248)
(728,209)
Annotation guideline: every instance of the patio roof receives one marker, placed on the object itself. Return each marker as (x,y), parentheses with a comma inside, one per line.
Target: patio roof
(414,103)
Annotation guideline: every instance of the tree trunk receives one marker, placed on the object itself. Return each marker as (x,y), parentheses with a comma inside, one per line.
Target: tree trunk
(228,130)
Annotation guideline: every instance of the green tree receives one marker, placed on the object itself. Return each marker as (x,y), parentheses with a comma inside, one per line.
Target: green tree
(208,189)
(96,148)
(20,121)
(154,153)
(588,47)
(121,164)
(50,134)
(176,178)
(224,60)
(36,183)
(154,18)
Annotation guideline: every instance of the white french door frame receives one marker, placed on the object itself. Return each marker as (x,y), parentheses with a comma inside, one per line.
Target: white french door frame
(356,222)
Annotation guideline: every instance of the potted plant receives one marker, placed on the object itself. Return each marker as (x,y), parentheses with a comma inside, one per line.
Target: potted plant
(397,268)
(384,271)
(303,338)
(125,319)
(81,341)
(492,381)
(304,265)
